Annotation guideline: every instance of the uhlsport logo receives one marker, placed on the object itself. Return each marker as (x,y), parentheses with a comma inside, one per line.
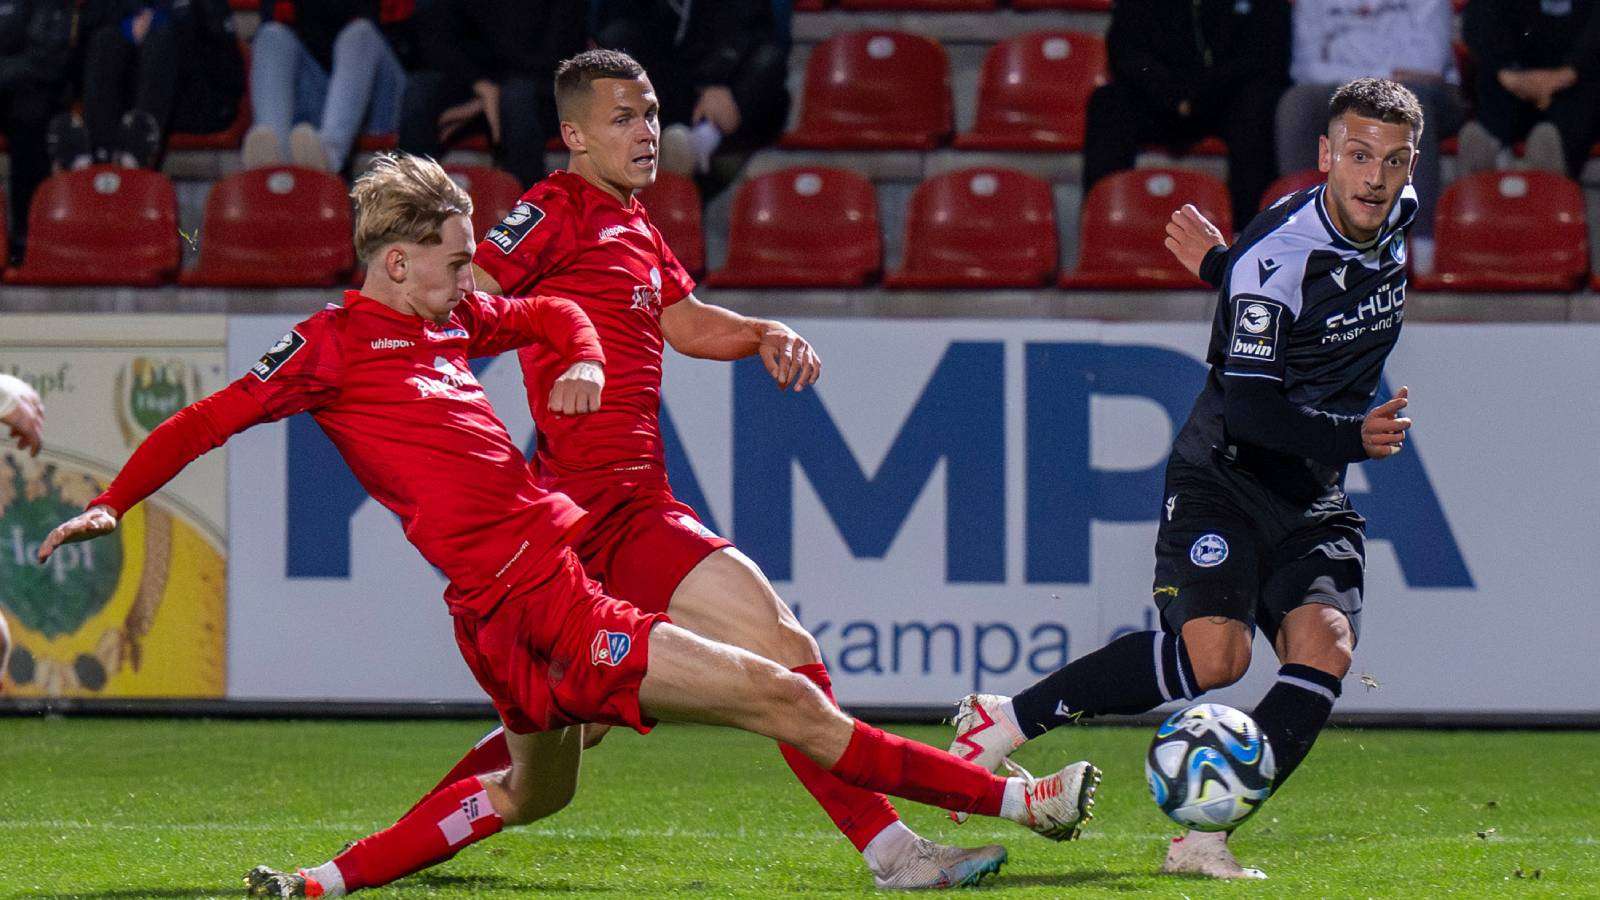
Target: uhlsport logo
(1208,550)
(610,648)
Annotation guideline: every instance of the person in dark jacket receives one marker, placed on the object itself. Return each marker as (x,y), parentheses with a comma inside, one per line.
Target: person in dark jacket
(1184,71)
(1538,79)
(156,66)
(322,72)
(38,47)
(719,70)
(490,65)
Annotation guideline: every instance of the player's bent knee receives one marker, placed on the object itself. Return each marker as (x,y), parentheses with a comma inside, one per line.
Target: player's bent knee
(1219,651)
(593,734)
(1319,636)
(528,800)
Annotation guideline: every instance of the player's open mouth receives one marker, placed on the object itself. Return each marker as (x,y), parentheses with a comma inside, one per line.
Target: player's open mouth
(645,159)
(1370,203)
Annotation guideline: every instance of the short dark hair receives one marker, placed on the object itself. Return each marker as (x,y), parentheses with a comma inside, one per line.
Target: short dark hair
(1377,98)
(574,75)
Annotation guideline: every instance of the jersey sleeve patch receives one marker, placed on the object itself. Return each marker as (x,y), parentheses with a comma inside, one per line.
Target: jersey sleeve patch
(278,354)
(1256,325)
(523,218)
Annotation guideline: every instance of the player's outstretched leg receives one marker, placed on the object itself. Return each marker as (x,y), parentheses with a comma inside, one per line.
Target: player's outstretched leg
(691,679)
(541,780)
(1314,645)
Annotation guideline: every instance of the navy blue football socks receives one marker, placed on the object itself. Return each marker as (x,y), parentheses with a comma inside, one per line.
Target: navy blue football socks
(1292,714)
(1132,674)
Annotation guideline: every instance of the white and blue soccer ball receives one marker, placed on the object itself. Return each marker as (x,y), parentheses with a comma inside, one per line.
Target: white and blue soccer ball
(1209,767)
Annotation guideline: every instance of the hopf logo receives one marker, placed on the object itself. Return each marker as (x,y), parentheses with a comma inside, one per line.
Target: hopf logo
(148,391)
(610,648)
(1209,550)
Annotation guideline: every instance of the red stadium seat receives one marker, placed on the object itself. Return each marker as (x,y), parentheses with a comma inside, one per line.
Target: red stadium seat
(1086,5)
(103,225)
(809,5)
(803,227)
(920,5)
(979,228)
(874,90)
(673,203)
(1288,184)
(1034,92)
(493,192)
(275,227)
(1124,225)
(1510,231)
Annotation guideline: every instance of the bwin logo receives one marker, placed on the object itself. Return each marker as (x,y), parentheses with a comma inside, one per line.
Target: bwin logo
(1259,349)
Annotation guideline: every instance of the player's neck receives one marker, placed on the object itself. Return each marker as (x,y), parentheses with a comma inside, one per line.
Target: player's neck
(581,166)
(1350,236)
(385,292)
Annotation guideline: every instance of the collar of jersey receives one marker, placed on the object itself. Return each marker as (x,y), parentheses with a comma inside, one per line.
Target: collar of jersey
(600,195)
(356,301)
(1345,243)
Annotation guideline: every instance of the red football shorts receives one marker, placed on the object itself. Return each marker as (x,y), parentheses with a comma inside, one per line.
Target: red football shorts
(641,542)
(561,652)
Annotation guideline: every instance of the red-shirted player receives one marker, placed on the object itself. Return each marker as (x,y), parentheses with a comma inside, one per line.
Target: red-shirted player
(386,378)
(581,234)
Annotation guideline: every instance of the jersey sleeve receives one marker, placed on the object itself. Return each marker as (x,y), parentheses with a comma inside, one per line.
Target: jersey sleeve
(1263,291)
(498,324)
(676,283)
(528,244)
(298,373)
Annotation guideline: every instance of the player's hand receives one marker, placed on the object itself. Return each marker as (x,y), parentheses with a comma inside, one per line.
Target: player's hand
(26,419)
(1190,236)
(717,104)
(1383,432)
(578,389)
(489,93)
(456,117)
(789,358)
(91,523)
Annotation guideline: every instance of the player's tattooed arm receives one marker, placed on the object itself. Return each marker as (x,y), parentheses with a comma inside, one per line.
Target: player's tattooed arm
(704,331)
(1197,243)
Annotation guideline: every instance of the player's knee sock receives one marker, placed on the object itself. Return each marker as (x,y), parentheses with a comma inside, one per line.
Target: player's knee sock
(1132,674)
(489,754)
(1292,714)
(890,764)
(861,815)
(434,831)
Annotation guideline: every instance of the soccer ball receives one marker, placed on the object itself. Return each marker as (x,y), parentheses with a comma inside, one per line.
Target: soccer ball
(1209,767)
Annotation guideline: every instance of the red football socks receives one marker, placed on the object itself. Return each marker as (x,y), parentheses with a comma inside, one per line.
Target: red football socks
(438,828)
(888,763)
(860,814)
(489,754)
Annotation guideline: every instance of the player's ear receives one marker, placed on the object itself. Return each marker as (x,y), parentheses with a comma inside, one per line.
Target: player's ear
(1324,154)
(572,137)
(395,263)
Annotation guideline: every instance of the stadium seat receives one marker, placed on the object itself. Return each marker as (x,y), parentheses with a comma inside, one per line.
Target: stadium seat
(803,227)
(1509,231)
(673,203)
(1084,5)
(493,192)
(874,90)
(979,228)
(1288,184)
(275,227)
(1033,92)
(1124,225)
(919,5)
(103,225)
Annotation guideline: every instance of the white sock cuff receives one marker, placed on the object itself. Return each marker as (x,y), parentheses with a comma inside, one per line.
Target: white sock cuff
(331,879)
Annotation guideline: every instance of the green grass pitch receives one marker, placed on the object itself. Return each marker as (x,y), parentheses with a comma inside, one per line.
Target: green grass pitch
(137,809)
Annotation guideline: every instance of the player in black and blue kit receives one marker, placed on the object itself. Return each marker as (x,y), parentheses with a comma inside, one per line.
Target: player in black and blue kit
(1255,528)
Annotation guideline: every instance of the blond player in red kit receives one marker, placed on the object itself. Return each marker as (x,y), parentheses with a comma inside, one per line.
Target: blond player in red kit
(386,377)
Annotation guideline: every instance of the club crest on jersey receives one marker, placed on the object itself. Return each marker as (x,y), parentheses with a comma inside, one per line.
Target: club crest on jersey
(1209,550)
(278,354)
(453,333)
(1397,249)
(1255,330)
(610,648)
(648,296)
(510,231)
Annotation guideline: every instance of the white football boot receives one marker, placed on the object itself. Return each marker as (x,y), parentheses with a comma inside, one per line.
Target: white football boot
(931,866)
(1060,805)
(984,734)
(1205,853)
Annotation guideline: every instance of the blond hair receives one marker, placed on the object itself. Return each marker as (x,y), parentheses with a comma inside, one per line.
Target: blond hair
(401,197)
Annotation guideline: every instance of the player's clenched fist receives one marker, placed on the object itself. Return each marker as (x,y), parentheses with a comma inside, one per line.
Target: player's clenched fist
(1383,432)
(91,523)
(22,413)
(578,389)
(789,358)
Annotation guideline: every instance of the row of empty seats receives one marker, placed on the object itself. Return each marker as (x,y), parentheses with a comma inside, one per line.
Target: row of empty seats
(807,227)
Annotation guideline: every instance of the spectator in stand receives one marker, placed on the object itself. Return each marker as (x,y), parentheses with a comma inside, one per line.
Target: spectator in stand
(1184,71)
(321,73)
(154,67)
(1336,41)
(1538,79)
(38,47)
(490,65)
(718,68)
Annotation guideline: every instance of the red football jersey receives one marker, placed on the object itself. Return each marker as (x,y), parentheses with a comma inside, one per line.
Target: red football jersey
(395,395)
(568,238)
